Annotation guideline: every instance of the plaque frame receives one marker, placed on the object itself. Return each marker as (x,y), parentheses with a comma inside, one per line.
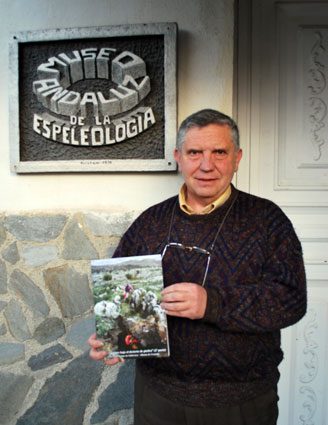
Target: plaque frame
(41,129)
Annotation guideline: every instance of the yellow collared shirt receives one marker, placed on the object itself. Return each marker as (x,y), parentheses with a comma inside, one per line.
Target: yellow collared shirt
(208,208)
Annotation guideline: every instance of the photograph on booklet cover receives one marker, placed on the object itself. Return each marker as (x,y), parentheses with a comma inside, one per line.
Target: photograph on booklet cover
(128,315)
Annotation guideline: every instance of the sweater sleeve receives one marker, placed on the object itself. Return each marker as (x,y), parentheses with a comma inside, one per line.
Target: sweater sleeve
(274,301)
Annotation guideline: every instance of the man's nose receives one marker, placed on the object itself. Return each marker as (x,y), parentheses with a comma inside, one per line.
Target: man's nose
(207,163)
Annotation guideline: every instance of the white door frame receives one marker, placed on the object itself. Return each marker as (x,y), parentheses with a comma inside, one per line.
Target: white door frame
(303,389)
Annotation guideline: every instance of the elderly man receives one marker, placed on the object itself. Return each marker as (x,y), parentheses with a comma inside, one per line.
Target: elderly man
(234,276)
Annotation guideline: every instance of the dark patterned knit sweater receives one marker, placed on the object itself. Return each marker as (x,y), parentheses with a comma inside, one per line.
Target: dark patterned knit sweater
(255,286)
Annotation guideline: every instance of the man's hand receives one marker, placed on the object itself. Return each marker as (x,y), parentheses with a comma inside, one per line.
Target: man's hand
(184,300)
(96,354)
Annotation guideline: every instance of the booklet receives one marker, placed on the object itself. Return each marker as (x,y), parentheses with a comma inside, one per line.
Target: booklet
(127,296)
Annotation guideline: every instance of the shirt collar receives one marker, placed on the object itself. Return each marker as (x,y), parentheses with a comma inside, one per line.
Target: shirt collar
(208,208)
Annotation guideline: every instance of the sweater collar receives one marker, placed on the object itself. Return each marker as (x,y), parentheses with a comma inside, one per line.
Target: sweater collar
(208,208)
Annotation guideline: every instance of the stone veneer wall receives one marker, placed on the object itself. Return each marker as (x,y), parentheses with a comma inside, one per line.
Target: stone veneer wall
(46,318)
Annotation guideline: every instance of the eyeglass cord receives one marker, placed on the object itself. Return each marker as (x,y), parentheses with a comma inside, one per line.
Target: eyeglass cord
(215,237)
(218,231)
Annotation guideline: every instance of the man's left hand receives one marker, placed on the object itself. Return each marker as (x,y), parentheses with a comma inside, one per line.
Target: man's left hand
(184,300)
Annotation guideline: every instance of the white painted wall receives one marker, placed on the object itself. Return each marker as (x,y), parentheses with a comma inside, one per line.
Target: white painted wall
(205,73)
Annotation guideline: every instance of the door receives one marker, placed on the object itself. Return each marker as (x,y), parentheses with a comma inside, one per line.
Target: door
(281,106)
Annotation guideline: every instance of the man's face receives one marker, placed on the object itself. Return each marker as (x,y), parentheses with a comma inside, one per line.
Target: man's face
(207,162)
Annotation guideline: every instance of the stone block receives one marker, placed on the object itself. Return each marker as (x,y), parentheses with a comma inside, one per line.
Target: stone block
(110,251)
(2,305)
(77,244)
(3,329)
(35,256)
(70,289)
(49,357)
(80,331)
(2,233)
(120,393)
(11,353)
(13,390)
(49,330)
(16,321)
(36,229)
(113,224)
(10,253)
(29,292)
(3,278)
(65,396)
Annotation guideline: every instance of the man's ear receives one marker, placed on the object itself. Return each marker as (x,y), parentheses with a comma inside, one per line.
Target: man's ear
(239,154)
(177,155)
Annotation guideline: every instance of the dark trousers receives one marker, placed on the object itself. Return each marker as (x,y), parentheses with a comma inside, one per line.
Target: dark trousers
(152,409)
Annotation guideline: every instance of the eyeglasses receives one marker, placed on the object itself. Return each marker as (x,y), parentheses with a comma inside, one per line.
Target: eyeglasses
(191,249)
(194,248)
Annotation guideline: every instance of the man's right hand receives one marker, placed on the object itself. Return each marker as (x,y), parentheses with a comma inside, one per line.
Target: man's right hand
(97,354)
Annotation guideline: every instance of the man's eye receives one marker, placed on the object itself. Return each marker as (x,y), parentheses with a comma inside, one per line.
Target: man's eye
(193,152)
(220,152)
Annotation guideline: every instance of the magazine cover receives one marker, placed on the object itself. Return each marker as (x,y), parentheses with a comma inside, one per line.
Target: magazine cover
(127,296)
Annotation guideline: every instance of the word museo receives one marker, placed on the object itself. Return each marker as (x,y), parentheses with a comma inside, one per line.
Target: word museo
(59,73)
(82,135)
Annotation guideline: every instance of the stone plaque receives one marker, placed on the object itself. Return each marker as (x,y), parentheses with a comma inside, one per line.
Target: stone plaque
(93,99)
